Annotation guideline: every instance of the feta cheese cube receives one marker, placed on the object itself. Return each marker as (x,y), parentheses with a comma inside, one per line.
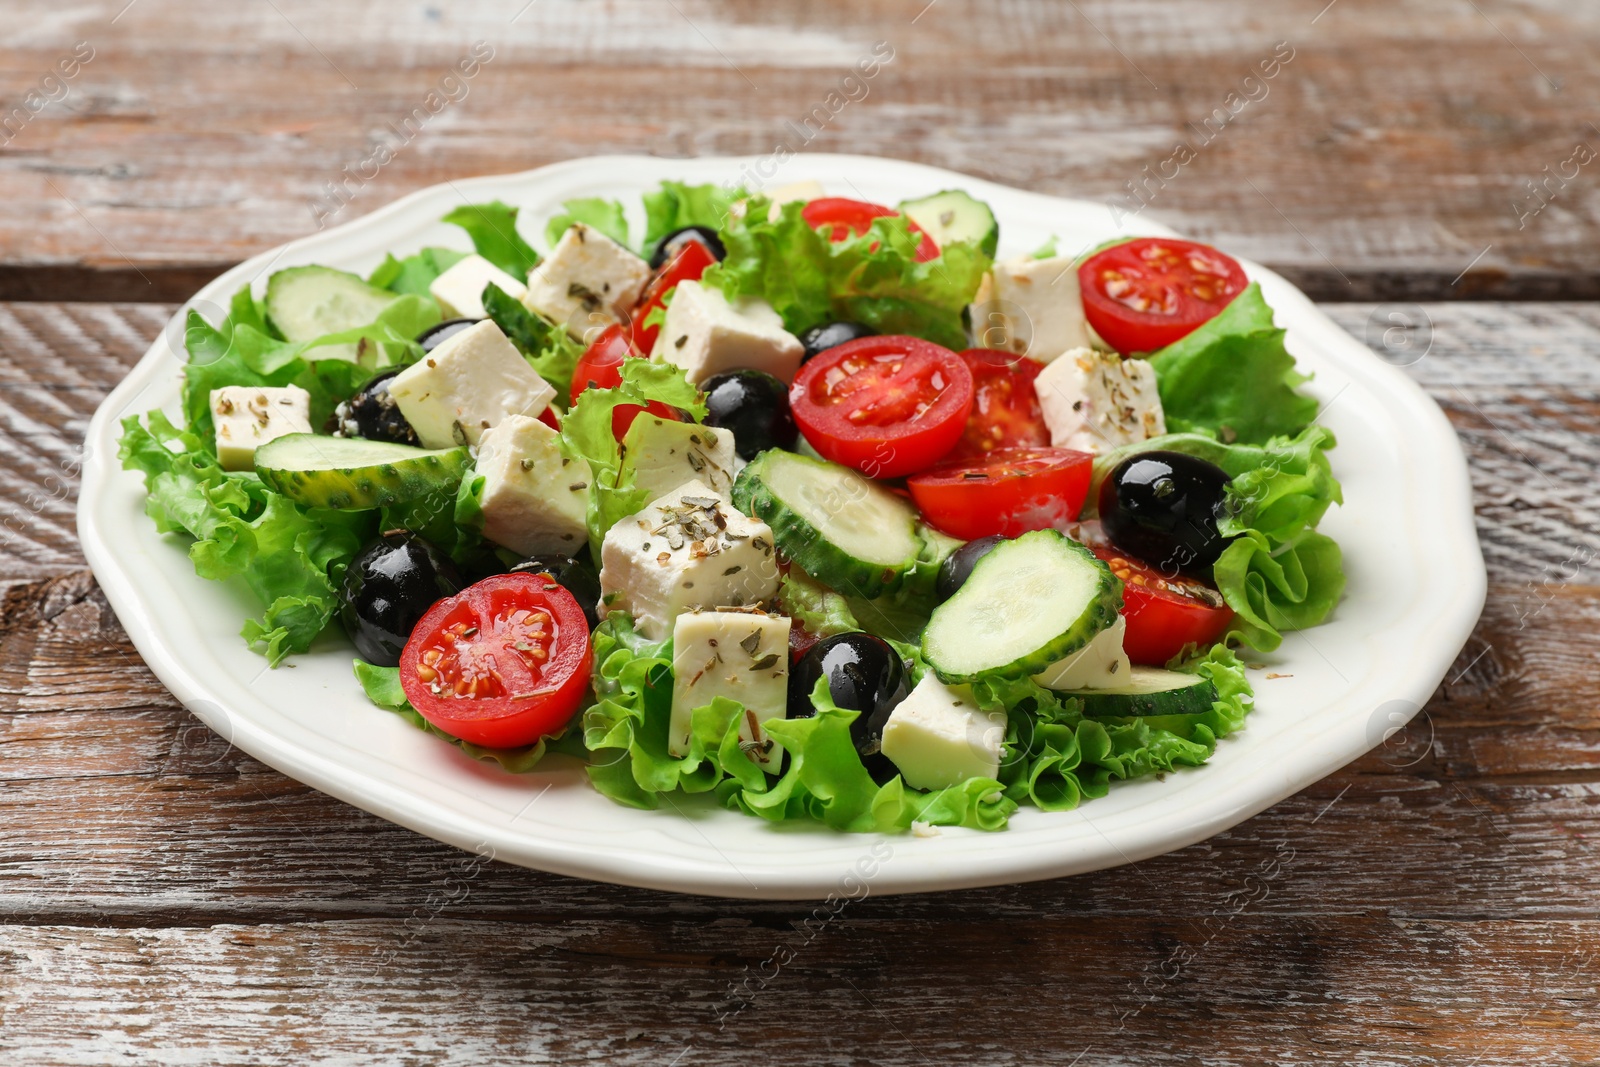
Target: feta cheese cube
(689,549)
(247,417)
(1031,307)
(1095,401)
(472,381)
(459,289)
(705,334)
(1101,664)
(938,736)
(535,500)
(587,281)
(740,655)
(663,455)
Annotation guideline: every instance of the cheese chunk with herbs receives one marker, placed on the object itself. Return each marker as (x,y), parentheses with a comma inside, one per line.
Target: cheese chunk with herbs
(470,383)
(1095,401)
(534,499)
(938,737)
(691,549)
(662,455)
(1031,307)
(1101,664)
(743,656)
(588,281)
(705,334)
(247,417)
(459,289)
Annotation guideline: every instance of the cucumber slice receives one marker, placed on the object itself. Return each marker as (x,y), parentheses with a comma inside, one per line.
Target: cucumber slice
(1151,691)
(1028,603)
(837,526)
(304,303)
(955,216)
(352,474)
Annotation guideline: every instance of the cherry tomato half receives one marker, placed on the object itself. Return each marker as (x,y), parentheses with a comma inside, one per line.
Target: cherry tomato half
(1007,492)
(600,366)
(843,218)
(886,406)
(686,265)
(1164,613)
(1147,293)
(503,663)
(1005,408)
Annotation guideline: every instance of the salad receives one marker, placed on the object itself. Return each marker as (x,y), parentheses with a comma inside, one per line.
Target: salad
(808,503)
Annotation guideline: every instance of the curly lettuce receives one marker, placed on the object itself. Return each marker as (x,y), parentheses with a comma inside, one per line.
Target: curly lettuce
(415,273)
(493,229)
(604,215)
(675,205)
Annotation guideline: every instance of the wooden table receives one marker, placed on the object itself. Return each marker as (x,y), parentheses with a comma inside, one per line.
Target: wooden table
(164,898)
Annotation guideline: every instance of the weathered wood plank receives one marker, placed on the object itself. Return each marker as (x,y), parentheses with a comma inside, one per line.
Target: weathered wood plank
(1396,148)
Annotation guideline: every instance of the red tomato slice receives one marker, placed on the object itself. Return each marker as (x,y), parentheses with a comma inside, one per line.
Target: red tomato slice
(1007,492)
(1164,613)
(503,663)
(843,218)
(1148,293)
(551,417)
(600,366)
(687,264)
(886,406)
(1005,408)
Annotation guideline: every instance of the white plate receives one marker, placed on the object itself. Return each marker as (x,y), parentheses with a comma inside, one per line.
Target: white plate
(1416,586)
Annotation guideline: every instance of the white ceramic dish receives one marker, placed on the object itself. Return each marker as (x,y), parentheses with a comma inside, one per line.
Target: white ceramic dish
(1416,586)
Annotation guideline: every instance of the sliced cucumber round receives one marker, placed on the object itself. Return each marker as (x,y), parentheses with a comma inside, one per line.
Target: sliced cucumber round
(304,303)
(954,216)
(1028,603)
(837,526)
(352,474)
(1151,692)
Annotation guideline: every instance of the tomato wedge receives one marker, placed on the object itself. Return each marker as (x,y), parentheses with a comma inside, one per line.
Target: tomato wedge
(886,406)
(687,264)
(600,366)
(1008,492)
(503,663)
(1164,613)
(1150,292)
(843,218)
(1005,407)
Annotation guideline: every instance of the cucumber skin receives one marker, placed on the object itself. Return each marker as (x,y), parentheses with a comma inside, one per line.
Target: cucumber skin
(364,488)
(1151,707)
(1100,613)
(806,547)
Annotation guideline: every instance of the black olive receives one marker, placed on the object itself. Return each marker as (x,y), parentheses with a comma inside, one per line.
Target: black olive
(387,588)
(436,334)
(1163,508)
(571,575)
(373,414)
(668,245)
(957,566)
(755,406)
(831,334)
(864,674)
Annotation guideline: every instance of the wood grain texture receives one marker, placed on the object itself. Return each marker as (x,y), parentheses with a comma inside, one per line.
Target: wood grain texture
(165,898)
(1400,145)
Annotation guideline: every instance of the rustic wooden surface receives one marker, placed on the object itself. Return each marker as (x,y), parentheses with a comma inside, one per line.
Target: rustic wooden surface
(1392,153)
(165,898)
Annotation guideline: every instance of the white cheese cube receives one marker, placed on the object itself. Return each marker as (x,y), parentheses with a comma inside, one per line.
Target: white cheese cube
(1101,664)
(459,289)
(247,417)
(691,549)
(1031,307)
(535,499)
(587,281)
(1096,401)
(734,654)
(663,455)
(472,381)
(705,334)
(938,736)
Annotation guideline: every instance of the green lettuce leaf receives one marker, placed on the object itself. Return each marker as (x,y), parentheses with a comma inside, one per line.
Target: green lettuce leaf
(604,215)
(1274,588)
(1233,378)
(872,278)
(814,606)
(549,349)
(414,273)
(493,229)
(676,205)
